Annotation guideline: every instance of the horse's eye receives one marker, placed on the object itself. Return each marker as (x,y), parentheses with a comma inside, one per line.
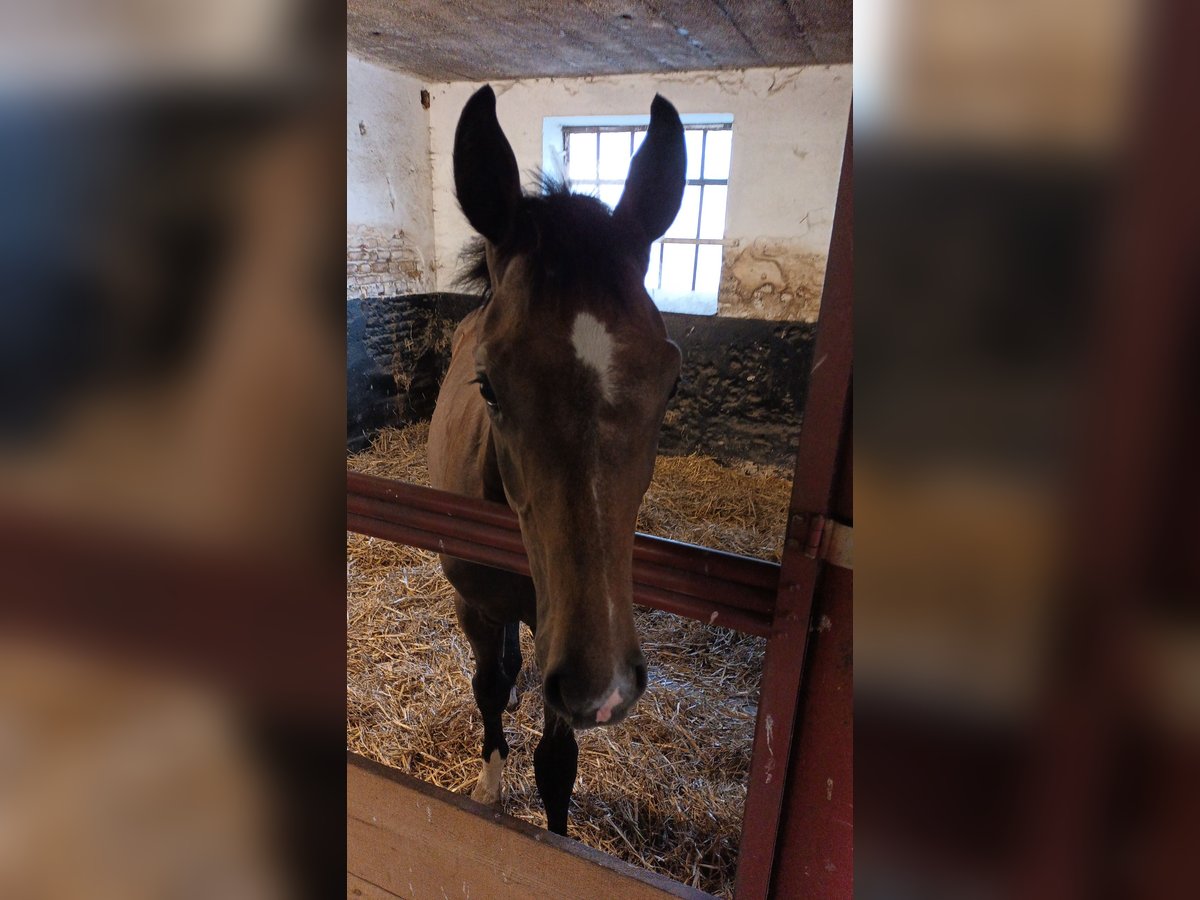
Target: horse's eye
(485,391)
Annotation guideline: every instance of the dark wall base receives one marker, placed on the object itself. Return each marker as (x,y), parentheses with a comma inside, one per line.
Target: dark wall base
(742,391)
(397,351)
(740,397)
(370,388)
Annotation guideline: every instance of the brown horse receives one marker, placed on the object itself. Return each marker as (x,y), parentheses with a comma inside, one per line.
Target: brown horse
(553,403)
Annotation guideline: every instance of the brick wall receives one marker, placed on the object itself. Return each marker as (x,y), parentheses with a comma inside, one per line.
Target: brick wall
(384,263)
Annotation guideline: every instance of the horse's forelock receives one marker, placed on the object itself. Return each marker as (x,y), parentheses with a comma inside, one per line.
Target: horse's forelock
(571,240)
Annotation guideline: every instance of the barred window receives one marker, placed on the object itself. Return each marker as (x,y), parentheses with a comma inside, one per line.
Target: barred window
(685,263)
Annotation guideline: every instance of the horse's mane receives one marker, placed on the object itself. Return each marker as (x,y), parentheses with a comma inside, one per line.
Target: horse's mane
(571,238)
(473,276)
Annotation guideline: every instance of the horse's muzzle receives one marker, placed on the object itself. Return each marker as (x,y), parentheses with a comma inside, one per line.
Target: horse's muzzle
(568,693)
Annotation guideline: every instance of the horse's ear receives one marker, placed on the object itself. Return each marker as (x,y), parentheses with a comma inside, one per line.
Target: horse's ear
(486,179)
(654,188)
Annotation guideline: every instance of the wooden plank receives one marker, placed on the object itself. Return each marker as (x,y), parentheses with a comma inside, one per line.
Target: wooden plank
(407,838)
(779,36)
(361,889)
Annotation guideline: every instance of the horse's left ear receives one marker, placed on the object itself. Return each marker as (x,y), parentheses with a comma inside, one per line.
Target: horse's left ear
(654,188)
(486,179)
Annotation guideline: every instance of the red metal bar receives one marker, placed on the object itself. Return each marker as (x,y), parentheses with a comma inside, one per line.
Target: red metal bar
(702,610)
(812,489)
(675,577)
(406,494)
(474,542)
(437,523)
(717,564)
(438,542)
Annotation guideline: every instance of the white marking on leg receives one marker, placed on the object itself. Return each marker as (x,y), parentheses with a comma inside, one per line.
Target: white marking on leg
(594,347)
(487,789)
(604,713)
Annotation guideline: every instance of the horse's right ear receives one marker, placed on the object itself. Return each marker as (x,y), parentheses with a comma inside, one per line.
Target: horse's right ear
(486,179)
(654,188)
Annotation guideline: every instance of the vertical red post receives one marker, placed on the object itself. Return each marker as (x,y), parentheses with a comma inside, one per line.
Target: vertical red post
(818,455)
(815,850)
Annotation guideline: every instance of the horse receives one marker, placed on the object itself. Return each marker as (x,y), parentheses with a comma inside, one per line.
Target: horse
(552,403)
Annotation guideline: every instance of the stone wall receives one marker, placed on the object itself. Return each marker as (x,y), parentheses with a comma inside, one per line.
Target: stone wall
(397,351)
(370,388)
(741,394)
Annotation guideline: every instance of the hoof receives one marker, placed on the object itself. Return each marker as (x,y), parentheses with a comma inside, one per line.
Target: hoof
(486,793)
(487,788)
(513,700)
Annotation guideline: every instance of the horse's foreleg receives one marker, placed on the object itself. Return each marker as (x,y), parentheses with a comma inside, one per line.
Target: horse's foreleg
(492,686)
(554,764)
(512,660)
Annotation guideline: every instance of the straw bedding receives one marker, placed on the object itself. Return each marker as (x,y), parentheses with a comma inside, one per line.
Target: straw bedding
(663,790)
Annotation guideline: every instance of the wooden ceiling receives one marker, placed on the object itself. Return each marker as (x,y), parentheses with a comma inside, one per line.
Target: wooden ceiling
(478,40)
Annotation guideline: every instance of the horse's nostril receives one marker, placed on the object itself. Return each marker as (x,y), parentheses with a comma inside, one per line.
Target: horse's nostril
(639,673)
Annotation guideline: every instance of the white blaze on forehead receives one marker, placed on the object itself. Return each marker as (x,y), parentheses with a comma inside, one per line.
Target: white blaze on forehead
(594,347)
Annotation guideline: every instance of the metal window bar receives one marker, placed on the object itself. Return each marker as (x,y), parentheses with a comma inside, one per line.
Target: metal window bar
(593,129)
(699,211)
(592,182)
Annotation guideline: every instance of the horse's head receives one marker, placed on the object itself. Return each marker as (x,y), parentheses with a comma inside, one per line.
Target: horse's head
(575,368)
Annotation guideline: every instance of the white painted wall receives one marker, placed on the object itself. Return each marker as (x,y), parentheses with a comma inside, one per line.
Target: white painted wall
(388,183)
(789,129)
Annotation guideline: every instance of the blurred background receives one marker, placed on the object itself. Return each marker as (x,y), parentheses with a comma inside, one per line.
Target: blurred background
(171,449)
(171,373)
(1027,644)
